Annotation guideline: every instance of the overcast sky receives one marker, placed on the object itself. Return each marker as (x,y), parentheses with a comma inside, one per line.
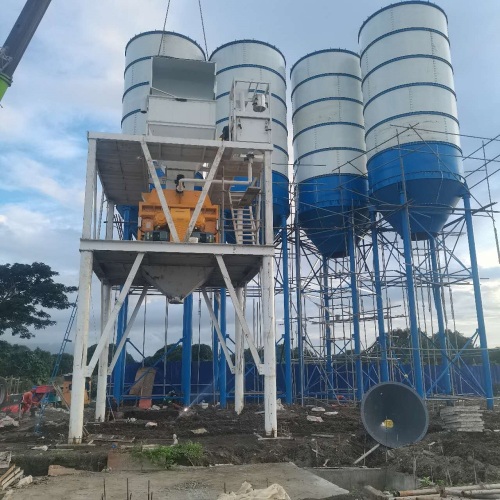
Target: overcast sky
(71,81)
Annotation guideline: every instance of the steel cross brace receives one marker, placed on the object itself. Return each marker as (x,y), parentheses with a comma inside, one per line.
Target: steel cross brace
(241,315)
(159,191)
(204,192)
(110,323)
(127,331)
(215,322)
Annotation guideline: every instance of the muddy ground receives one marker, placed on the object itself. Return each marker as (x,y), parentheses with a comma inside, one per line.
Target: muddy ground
(442,457)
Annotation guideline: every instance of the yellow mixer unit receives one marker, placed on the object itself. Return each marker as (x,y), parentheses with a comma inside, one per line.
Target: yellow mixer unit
(181,205)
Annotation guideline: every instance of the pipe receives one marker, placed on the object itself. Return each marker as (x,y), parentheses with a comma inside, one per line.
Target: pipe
(328,331)
(355,312)
(436,290)
(187,339)
(412,304)
(483,340)
(382,338)
(298,292)
(286,309)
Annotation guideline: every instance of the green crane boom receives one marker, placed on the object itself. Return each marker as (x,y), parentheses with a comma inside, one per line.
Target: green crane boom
(18,40)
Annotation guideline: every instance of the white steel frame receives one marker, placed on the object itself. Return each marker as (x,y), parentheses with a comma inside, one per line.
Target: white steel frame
(262,252)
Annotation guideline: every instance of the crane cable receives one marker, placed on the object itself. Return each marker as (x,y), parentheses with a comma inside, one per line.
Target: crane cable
(164,26)
(203,27)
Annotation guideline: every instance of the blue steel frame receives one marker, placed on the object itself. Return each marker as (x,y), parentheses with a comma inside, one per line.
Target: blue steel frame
(119,370)
(286,312)
(187,340)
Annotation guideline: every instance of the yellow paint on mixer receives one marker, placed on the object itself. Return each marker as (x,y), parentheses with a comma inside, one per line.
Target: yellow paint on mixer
(181,206)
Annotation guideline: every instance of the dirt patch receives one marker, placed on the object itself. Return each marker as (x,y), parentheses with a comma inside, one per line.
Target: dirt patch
(443,457)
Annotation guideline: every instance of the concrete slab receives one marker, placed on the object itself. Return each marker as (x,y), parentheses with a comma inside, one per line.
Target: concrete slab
(189,483)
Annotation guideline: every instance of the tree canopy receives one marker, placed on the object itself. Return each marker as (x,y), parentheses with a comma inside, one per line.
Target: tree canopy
(26,291)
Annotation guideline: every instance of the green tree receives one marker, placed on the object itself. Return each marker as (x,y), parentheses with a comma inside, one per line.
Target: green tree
(203,351)
(26,290)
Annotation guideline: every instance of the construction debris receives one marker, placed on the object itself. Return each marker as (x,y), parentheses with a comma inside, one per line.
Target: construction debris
(463,418)
(202,430)
(246,492)
(8,422)
(312,418)
(24,481)
(150,425)
(318,409)
(5,458)
(369,452)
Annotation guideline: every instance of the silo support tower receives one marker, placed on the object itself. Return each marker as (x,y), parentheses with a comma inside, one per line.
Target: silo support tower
(176,268)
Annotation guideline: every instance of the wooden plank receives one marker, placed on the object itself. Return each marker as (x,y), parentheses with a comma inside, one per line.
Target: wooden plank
(18,475)
(11,469)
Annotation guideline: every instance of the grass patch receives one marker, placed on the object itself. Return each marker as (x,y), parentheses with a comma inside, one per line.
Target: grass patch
(167,456)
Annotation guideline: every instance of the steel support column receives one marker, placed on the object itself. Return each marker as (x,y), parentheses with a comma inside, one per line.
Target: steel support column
(187,340)
(215,345)
(328,330)
(286,312)
(239,356)
(483,341)
(382,338)
(269,337)
(102,377)
(298,296)
(412,303)
(436,291)
(223,361)
(355,312)
(75,432)
(121,326)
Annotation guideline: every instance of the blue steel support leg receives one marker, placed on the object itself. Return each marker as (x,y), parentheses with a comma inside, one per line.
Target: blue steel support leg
(483,341)
(223,362)
(436,290)
(187,338)
(355,313)
(300,340)
(119,370)
(215,346)
(328,330)
(382,338)
(286,309)
(412,302)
